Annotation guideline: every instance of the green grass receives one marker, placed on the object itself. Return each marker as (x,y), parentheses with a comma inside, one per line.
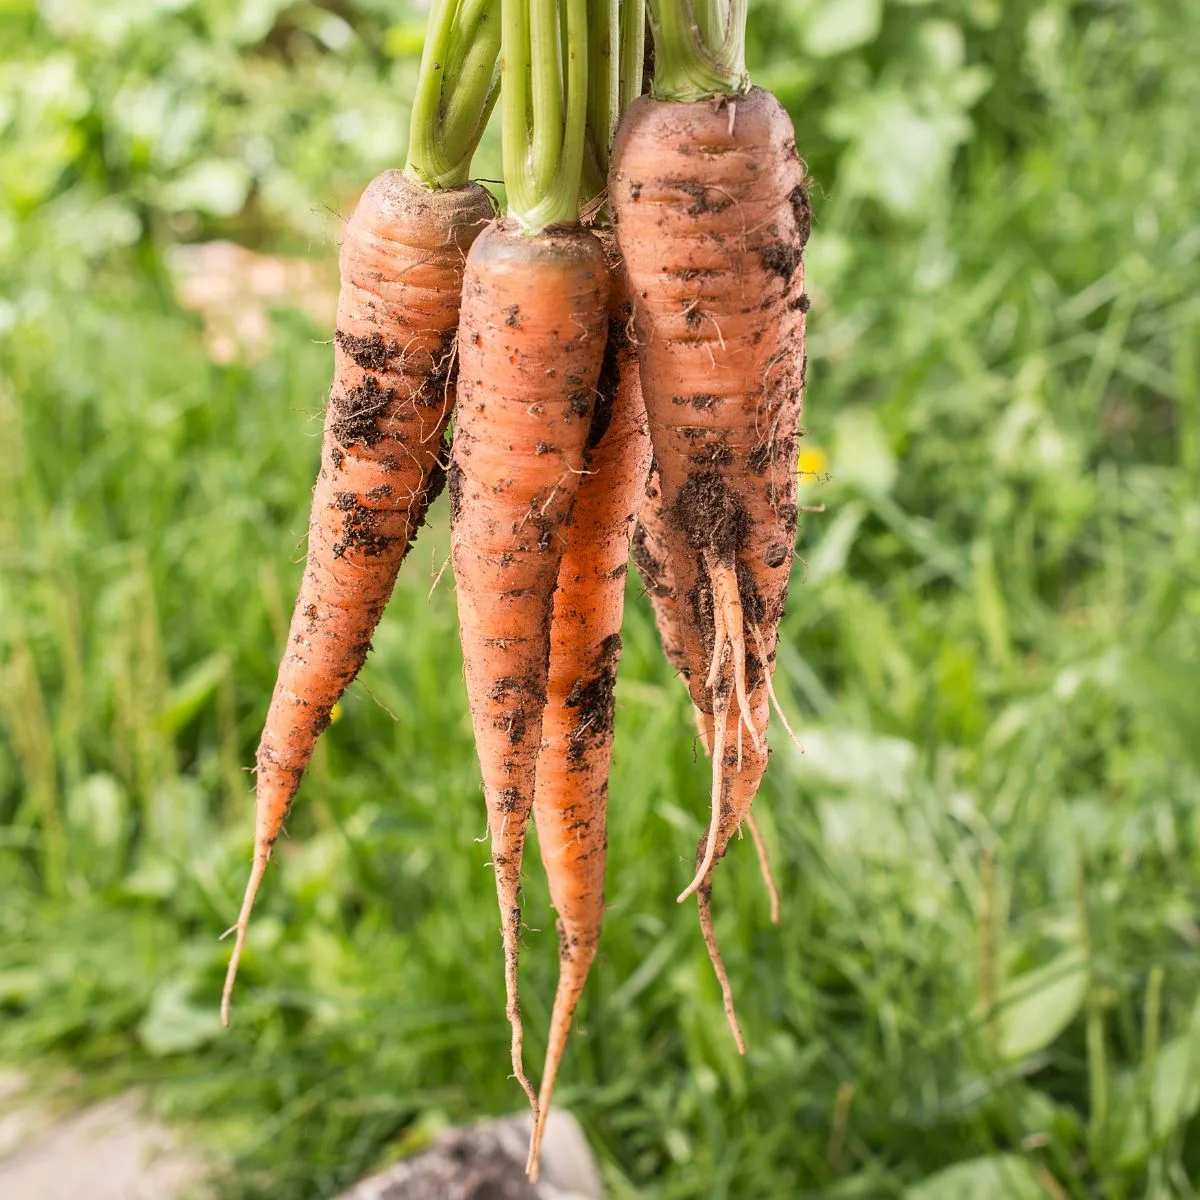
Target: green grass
(991,662)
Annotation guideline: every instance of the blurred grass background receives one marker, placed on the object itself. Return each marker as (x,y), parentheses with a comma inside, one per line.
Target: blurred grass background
(991,654)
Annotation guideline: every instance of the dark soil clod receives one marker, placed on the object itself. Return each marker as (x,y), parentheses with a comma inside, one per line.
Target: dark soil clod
(782,259)
(701,201)
(356,414)
(701,400)
(802,211)
(594,700)
(371,353)
(710,515)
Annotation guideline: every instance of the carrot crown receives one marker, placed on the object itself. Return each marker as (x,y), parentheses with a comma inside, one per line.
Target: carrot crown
(544,103)
(699,48)
(456,89)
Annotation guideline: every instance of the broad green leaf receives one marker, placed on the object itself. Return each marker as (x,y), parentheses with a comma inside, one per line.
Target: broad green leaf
(994,1177)
(190,695)
(862,456)
(835,26)
(1034,1008)
(1173,1094)
(174,1024)
(829,558)
(215,186)
(97,810)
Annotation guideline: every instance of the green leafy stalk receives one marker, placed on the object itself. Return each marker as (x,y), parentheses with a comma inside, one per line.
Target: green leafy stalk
(544,106)
(604,81)
(632,51)
(699,48)
(456,89)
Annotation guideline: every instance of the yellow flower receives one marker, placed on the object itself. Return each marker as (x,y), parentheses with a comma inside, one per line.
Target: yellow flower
(335,713)
(811,464)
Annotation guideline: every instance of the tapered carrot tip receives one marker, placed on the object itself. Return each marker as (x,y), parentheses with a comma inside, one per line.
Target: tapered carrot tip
(764,865)
(704,903)
(257,871)
(533,1163)
(512,1010)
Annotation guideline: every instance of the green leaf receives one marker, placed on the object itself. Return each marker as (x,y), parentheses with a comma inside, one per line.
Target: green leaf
(862,455)
(1175,1091)
(214,186)
(994,1177)
(835,26)
(193,692)
(174,1024)
(1034,1008)
(97,811)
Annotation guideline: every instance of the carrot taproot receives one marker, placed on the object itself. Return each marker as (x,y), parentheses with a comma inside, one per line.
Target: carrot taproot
(382,464)
(531,339)
(532,334)
(571,795)
(712,219)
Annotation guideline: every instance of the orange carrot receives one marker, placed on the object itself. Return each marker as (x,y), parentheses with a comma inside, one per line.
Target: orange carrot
(650,557)
(585,643)
(712,219)
(532,335)
(382,464)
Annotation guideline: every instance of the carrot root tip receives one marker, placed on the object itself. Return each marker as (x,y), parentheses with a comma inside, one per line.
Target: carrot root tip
(257,871)
(764,864)
(704,903)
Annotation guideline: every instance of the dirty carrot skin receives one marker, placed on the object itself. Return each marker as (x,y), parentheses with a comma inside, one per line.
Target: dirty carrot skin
(570,801)
(532,333)
(383,455)
(712,219)
(650,557)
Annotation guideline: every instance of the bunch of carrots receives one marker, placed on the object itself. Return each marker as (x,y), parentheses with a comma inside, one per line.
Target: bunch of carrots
(621,356)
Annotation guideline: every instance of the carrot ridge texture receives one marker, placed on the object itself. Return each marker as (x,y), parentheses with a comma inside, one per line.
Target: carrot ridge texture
(571,796)
(531,339)
(712,217)
(382,464)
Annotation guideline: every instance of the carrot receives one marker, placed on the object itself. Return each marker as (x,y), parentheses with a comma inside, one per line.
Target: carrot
(532,335)
(382,464)
(650,557)
(712,218)
(585,644)
(383,454)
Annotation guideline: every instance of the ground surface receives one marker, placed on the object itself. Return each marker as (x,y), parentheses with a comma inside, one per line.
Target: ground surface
(108,1151)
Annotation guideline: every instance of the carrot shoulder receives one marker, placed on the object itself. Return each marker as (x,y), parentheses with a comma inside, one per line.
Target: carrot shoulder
(532,335)
(382,464)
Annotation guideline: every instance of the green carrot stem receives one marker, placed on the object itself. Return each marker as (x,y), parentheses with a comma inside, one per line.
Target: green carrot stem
(632,50)
(603,93)
(456,89)
(544,99)
(699,48)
